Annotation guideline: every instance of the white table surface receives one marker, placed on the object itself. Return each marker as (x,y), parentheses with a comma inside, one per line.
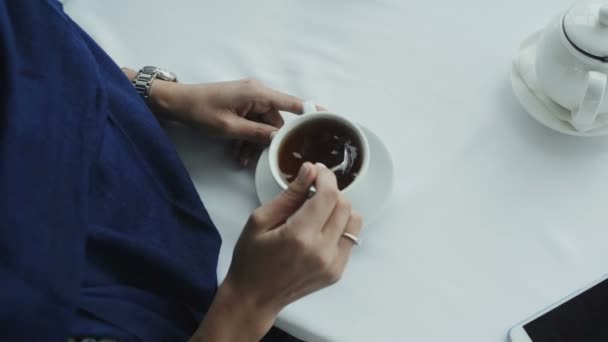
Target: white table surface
(493,216)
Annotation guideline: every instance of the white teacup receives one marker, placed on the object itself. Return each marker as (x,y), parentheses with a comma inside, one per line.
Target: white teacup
(311,114)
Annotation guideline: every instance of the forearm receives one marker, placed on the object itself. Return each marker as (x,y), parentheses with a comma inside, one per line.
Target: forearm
(232,317)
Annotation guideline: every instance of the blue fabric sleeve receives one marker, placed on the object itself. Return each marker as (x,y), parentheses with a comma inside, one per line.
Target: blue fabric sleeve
(48,135)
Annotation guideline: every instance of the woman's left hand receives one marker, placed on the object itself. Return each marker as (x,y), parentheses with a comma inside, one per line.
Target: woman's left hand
(243,110)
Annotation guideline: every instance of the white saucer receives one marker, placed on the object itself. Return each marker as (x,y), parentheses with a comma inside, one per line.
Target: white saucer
(367,199)
(528,91)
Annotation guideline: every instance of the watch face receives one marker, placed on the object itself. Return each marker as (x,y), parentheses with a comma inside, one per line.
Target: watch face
(166,75)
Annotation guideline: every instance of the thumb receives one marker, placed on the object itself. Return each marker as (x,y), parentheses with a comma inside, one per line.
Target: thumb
(289,201)
(256,132)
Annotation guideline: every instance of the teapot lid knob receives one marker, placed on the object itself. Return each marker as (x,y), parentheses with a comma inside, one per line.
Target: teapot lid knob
(603,15)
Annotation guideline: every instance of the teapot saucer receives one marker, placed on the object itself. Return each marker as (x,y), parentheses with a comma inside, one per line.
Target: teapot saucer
(528,91)
(368,198)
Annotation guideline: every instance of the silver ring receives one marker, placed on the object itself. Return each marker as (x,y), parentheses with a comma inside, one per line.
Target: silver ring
(357,241)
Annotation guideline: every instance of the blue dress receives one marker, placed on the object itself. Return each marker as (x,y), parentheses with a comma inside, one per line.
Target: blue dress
(101,230)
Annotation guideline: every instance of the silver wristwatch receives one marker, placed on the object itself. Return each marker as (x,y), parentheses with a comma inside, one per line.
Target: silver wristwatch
(147,75)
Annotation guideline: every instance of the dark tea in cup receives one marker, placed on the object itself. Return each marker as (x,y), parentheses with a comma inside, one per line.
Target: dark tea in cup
(322,140)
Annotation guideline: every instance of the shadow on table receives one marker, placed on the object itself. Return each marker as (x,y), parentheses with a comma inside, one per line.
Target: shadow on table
(541,137)
(210,161)
(278,335)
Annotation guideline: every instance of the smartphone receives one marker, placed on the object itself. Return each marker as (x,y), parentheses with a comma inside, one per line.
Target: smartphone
(581,317)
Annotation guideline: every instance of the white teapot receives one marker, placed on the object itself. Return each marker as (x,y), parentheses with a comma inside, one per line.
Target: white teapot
(572,62)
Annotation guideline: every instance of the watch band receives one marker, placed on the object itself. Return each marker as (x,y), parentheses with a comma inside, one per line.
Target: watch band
(147,75)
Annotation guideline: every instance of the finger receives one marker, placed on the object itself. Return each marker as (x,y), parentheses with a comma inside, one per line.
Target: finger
(241,128)
(285,102)
(345,246)
(236,149)
(254,116)
(336,224)
(289,201)
(317,210)
(273,118)
(256,152)
(248,153)
(315,108)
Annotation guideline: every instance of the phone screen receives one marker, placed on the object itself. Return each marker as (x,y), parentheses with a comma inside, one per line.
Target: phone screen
(583,318)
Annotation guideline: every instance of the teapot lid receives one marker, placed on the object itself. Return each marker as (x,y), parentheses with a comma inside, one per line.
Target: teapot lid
(586,27)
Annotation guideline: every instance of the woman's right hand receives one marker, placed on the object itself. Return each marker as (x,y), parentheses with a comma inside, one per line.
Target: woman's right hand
(289,248)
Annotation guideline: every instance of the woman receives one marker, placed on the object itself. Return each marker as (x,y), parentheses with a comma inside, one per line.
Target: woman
(102,234)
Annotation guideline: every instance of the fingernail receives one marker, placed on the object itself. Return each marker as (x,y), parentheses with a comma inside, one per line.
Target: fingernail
(321,165)
(304,170)
(272,134)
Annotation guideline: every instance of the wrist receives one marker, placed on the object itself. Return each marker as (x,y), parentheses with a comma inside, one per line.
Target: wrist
(162,97)
(233,316)
(247,310)
(130,73)
(163,100)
